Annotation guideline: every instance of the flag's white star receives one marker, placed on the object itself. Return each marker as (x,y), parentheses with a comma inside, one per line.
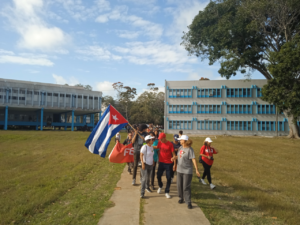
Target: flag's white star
(115,118)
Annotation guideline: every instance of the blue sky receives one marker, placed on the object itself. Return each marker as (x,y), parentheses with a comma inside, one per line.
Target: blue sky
(100,42)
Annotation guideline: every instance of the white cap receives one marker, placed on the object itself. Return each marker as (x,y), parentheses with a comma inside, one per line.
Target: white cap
(149,137)
(183,137)
(208,139)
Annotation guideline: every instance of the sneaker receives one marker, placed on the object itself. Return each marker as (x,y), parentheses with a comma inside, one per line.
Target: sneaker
(202,181)
(212,186)
(190,206)
(142,196)
(159,190)
(180,201)
(133,182)
(148,190)
(167,195)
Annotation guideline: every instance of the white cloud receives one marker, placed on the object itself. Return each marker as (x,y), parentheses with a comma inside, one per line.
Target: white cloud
(127,34)
(105,87)
(147,28)
(24,17)
(24,59)
(196,75)
(155,53)
(97,52)
(61,80)
(78,11)
(183,16)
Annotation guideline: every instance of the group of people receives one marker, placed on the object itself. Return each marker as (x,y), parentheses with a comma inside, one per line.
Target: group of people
(151,148)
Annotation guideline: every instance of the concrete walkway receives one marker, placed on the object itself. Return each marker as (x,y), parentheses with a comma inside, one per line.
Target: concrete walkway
(127,203)
(161,211)
(158,209)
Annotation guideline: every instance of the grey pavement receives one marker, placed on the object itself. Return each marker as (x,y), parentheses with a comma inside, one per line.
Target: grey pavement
(127,203)
(161,211)
(157,208)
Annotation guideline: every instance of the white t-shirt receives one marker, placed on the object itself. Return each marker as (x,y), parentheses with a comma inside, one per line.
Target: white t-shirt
(148,154)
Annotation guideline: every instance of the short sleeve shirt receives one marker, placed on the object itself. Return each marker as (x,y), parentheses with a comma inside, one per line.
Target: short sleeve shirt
(206,150)
(184,160)
(165,152)
(148,154)
(139,142)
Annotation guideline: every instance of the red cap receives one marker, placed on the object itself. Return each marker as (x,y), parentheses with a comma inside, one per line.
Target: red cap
(161,136)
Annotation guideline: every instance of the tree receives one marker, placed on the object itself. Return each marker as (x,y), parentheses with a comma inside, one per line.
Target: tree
(86,87)
(148,108)
(125,96)
(106,100)
(241,34)
(284,89)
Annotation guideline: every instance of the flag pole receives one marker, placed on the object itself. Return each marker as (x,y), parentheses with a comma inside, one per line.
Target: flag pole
(136,131)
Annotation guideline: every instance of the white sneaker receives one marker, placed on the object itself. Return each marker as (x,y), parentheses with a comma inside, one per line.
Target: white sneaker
(159,190)
(133,182)
(212,186)
(203,182)
(167,195)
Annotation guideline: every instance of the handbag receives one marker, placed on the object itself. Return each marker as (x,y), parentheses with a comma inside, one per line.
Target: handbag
(200,159)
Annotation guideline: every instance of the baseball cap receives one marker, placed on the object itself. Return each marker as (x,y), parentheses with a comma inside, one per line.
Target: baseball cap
(208,139)
(161,136)
(149,137)
(176,136)
(183,137)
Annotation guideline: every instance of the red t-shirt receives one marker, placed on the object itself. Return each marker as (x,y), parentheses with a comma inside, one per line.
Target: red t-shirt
(206,150)
(165,151)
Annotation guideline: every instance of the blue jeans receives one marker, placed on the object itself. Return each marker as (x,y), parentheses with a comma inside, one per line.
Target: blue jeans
(168,167)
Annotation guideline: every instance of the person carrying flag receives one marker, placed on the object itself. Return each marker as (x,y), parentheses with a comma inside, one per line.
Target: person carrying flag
(166,153)
(138,141)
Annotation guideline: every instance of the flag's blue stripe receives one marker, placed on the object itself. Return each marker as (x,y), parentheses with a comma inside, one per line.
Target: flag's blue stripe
(101,139)
(90,138)
(113,133)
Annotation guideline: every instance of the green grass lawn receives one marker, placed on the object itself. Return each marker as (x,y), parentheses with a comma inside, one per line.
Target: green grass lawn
(51,178)
(257,181)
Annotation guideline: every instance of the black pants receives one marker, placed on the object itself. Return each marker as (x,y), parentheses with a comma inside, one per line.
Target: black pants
(153,174)
(206,172)
(135,164)
(161,168)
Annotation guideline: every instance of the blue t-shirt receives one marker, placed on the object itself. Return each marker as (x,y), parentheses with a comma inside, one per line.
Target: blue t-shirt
(155,156)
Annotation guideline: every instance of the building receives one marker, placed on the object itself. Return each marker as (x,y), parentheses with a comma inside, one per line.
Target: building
(217,107)
(36,105)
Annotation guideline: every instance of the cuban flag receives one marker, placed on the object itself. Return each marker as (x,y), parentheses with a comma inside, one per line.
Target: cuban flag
(108,126)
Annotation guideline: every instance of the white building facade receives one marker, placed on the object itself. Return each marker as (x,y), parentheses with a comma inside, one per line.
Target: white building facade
(218,107)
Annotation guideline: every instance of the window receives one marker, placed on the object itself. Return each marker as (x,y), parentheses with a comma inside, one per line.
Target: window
(180,125)
(239,109)
(212,109)
(180,93)
(180,109)
(258,92)
(266,109)
(209,93)
(269,126)
(239,125)
(238,92)
(209,125)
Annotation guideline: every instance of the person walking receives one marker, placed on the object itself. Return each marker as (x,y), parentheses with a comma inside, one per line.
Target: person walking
(128,141)
(206,153)
(147,164)
(155,158)
(186,160)
(166,152)
(138,140)
(176,145)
